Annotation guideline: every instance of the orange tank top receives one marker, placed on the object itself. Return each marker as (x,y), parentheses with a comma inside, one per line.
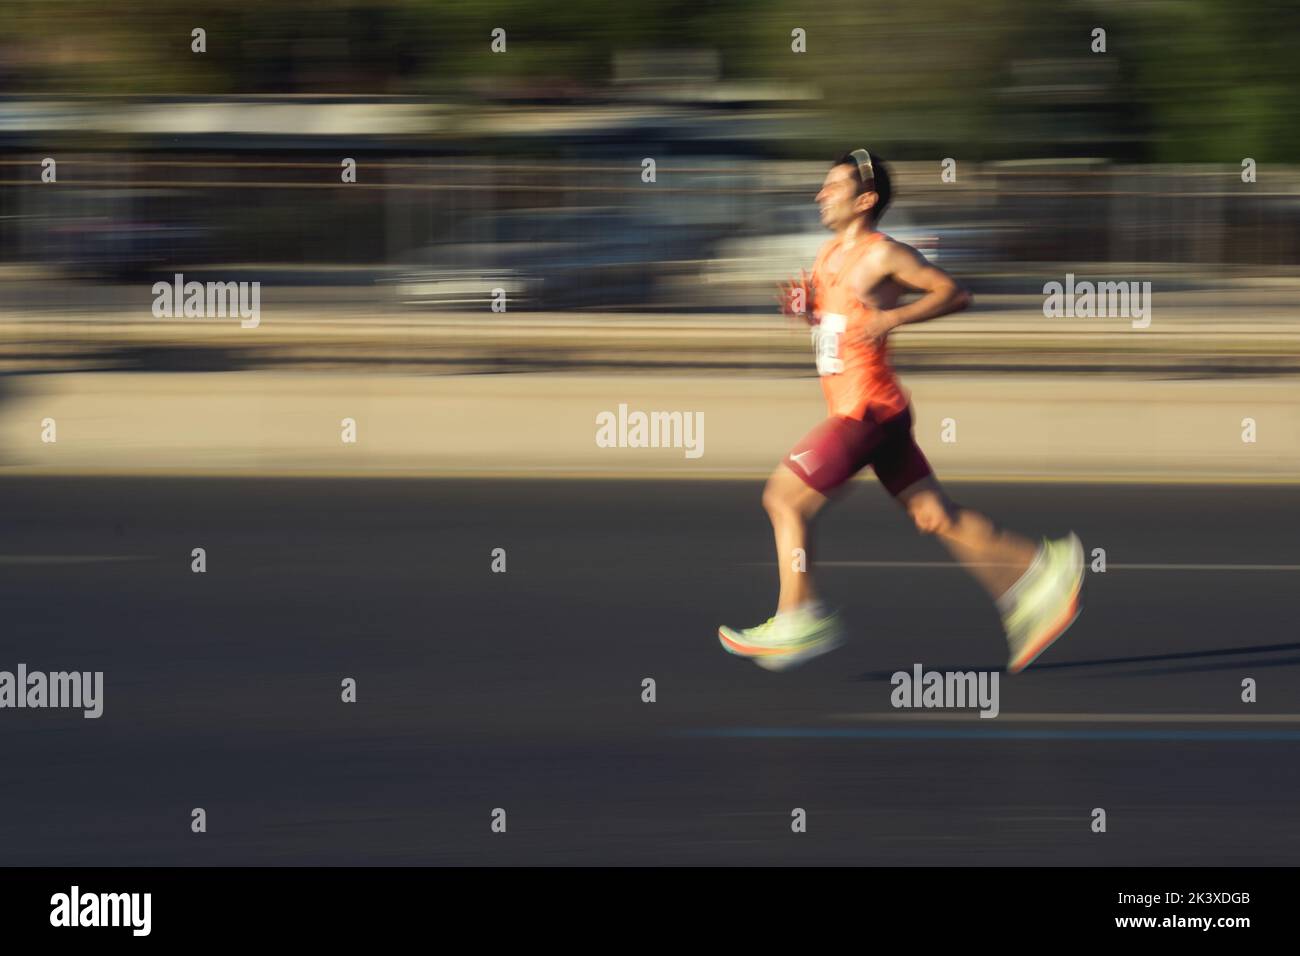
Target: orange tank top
(856,376)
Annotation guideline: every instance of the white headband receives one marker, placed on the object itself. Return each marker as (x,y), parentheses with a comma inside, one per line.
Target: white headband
(865,169)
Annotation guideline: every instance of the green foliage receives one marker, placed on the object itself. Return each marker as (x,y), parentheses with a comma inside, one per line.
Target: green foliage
(1182,80)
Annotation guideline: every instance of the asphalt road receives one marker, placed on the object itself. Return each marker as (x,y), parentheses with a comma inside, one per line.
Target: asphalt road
(523,690)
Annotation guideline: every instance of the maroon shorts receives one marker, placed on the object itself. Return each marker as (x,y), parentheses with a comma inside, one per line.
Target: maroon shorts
(840,447)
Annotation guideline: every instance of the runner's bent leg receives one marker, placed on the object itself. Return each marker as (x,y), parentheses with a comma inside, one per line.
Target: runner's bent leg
(996,558)
(792,505)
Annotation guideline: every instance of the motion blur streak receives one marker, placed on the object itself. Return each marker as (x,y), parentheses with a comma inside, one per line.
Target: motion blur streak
(466,231)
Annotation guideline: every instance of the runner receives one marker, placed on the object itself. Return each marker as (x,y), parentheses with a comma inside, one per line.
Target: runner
(852,302)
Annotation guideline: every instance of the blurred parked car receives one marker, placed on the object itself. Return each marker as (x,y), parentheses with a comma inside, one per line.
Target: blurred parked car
(120,234)
(548,259)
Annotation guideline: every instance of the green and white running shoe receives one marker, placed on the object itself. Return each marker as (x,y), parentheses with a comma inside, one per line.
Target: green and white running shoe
(786,640)
(1045,602)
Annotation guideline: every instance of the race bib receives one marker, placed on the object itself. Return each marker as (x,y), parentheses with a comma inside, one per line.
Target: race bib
(826,343)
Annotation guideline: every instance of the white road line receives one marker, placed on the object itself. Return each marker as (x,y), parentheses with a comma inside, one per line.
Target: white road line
(1077,718)
(69,558)
(1109,565)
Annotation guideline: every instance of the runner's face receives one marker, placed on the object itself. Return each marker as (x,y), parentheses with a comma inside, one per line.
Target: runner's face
(838,198)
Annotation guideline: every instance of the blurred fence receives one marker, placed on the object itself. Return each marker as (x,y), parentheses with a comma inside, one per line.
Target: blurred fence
(286,208)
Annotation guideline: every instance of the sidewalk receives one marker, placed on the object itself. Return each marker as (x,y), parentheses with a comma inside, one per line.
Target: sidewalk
(1186,335)
(261,424)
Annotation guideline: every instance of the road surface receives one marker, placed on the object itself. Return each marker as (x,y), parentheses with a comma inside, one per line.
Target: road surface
(523,690)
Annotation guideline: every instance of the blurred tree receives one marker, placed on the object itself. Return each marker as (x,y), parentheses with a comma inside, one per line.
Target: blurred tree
(1219,79)
(1206,80)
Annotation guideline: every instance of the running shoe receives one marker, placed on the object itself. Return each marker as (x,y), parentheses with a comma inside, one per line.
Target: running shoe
(786,640)
(1047,602)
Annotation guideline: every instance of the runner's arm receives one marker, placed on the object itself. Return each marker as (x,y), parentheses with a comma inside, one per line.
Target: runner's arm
(942,295)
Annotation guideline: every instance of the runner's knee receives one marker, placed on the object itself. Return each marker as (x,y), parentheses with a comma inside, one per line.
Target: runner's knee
(786,497)
(777,500)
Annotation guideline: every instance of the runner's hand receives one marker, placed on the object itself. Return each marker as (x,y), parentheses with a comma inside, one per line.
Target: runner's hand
(790,294)
(877,326)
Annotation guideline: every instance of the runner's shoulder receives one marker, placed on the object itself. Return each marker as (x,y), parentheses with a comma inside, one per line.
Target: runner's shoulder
(889,249)
(887,242)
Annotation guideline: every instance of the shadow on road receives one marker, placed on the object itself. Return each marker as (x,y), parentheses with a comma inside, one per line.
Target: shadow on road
(1143,659)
